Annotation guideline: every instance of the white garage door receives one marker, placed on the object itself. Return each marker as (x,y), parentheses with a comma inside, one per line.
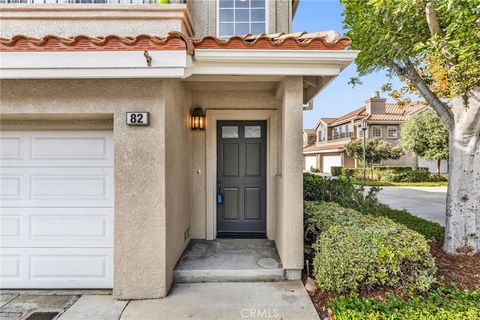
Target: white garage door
(56,209)
(310,162)
(331,161)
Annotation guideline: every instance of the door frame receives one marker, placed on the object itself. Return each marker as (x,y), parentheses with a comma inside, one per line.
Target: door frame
(212,116)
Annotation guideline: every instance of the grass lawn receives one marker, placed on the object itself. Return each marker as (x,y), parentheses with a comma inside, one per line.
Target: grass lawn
(400,184)
(439,304)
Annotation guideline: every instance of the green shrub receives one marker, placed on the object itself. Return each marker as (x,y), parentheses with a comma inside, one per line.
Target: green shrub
(336,171)
(430,230)
(355,251)
(439,304)
(419,175)
(401,174)
(319,216)
(343,192)
(391,173)
(317,188)
(355,173)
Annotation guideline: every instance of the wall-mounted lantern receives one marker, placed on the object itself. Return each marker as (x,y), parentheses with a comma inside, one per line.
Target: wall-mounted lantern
(198,119)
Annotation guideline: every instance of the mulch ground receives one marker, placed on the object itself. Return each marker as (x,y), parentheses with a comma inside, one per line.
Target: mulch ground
(461,270)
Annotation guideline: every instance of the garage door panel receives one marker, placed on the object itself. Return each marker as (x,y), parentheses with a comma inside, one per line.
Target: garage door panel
(11,185)
(56,227)
(56,148)
(10,225)
(56,215)
(57,187)
(11,147)
(55,268)
(331,161)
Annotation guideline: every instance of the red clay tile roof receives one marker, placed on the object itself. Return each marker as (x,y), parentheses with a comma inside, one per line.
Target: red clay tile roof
(393,112)
(314,147)
(354,113)
(328,120)
(328,40)
(175,40)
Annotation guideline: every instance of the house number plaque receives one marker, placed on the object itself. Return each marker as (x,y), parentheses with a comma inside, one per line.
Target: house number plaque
(137,118)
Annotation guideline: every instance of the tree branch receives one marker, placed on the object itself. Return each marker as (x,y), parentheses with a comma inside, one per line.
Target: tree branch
(432,20)
(409,72)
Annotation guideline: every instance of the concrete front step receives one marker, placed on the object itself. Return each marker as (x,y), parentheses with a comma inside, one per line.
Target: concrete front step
(255,275)
(229,260)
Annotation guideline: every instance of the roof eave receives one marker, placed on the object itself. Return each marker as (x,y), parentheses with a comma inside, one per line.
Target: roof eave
(173,64)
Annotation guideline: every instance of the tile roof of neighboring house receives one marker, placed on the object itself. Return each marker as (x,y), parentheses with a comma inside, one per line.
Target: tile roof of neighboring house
(309,131)
(328,40)
(314,147)
(328,120)
(349,115)
(392,113)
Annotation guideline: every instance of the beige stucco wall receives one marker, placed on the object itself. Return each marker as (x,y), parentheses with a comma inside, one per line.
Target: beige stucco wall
(289,219)
(218,96)
(178,190)
(197,18)
(139,168)
(94,19)
(348,162)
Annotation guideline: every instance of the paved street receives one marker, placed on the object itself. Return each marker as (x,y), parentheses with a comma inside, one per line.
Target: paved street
(200,301)
(424,202)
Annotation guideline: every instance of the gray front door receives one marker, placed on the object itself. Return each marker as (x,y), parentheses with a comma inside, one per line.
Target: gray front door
(241,178)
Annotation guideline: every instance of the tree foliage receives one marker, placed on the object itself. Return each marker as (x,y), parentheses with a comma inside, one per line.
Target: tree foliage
(443,46)
(425,136)
(376,150)
(434,46)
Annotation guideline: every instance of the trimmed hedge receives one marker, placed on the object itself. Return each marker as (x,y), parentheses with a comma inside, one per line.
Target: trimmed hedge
(355,251)
(438,304)
(430,230)
(336,171)
(343,192)
(394,174)
(318,188)
(356,173)
(401,174)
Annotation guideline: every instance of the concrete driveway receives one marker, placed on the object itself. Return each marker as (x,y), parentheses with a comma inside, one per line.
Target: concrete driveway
(193,301)
(425,202)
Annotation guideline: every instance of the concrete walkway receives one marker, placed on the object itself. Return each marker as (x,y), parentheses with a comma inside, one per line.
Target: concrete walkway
(425,202)
(286,300)
(197,301)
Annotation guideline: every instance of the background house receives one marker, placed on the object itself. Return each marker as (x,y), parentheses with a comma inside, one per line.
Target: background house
(384,119)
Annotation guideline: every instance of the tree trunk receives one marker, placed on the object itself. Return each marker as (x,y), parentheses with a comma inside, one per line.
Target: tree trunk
(439,168)
(462,232)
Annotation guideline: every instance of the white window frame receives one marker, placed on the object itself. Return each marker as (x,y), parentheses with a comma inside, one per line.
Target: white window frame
(218,18)
(381,131)
(318,135)
(396,132)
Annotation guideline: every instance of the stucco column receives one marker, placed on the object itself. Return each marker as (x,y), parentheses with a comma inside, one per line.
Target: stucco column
(139,251)
(290,209)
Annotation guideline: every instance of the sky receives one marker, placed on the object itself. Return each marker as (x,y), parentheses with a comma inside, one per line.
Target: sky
(338,97)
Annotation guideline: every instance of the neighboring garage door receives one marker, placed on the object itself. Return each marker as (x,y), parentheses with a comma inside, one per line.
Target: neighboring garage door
(56,209)
(310,162)
(331,161)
